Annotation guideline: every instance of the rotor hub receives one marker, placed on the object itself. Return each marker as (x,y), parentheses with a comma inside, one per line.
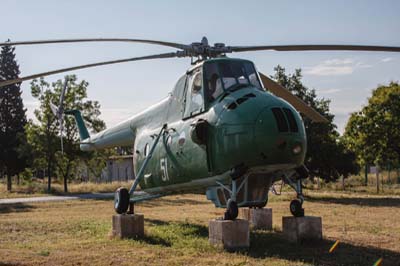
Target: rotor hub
(203,50)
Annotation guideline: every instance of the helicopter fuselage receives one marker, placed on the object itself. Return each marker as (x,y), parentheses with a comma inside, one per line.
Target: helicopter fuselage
(244,128)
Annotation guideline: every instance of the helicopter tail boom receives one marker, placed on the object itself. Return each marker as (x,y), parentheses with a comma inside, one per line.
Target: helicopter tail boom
(83,132)
(119,135)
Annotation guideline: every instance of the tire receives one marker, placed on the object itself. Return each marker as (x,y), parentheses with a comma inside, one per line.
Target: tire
(121,200)
(232,210)
(296,208)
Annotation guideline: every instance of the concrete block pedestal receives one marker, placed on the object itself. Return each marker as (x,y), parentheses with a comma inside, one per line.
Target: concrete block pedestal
(260,218)
(127,225)
(231,235)
(299,229)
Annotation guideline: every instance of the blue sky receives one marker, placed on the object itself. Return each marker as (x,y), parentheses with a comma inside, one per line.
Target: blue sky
(346,78)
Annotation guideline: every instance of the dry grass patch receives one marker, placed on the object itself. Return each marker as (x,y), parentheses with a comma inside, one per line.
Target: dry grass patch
(37,189)
(76,232)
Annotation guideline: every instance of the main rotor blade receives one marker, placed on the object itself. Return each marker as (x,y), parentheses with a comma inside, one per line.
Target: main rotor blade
(316,47)
(18,80)
(300,106)
(169,44)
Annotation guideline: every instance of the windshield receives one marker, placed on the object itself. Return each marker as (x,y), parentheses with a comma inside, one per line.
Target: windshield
(222,75)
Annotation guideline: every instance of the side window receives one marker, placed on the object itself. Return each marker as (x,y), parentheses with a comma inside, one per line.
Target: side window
(194,101)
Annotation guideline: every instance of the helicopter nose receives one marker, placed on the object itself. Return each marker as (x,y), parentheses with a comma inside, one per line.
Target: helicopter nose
(279,136)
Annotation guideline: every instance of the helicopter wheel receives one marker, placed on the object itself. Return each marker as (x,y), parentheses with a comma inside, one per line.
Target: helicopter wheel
(296,208)
(121,200)
(232,210)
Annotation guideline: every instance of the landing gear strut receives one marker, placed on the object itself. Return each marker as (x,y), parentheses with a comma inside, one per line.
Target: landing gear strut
(296,205)
(122,195)
(232,209)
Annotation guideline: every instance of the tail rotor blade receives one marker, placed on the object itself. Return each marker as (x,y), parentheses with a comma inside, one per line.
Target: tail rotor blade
(54,109)
(62,95)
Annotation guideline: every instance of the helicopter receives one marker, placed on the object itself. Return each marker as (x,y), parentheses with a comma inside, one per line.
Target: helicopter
(226,129)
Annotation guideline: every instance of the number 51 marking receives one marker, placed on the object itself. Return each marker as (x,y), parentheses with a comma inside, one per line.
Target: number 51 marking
(164,169)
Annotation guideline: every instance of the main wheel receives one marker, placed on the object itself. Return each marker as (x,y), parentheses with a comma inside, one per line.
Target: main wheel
(232,210)
(296,208)
(121,200)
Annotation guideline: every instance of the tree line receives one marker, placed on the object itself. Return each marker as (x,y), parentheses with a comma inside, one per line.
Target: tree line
(371,136)
(28,147)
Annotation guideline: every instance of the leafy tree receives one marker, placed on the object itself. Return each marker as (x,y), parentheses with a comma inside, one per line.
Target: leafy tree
(374,132)
(42,136)
(326,157)
(12,117)
(47,133)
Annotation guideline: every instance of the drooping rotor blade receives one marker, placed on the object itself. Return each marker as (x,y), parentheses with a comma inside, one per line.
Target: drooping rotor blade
(297,103)
(316,47)
(169,44)
(18,80)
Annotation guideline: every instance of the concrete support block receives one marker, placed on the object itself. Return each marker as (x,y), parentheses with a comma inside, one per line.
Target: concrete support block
(299,229)
(260,218)
(231,235)
(127,225)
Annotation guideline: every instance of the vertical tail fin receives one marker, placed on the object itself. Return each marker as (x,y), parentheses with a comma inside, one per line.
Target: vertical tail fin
(83,132)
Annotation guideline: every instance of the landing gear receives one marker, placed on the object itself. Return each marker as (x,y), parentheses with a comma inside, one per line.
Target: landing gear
(122,195)
(121,200)
(296,208)
(232,210)
(296,205)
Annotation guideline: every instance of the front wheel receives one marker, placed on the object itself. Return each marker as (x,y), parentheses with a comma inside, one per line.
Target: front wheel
(121,200)
(296,208)
(232,210)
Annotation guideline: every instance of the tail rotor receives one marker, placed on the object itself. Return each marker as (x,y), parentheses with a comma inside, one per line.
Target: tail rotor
(59,111)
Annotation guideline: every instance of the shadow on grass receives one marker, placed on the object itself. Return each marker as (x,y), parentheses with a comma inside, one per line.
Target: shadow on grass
(155,240)
(197,230)
(17,207)
(272,244)
(176,234)
(372,202)
(265,244)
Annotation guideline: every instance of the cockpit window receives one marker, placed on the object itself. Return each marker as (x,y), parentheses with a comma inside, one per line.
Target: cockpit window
(222,75)
(214,82)
(194,102)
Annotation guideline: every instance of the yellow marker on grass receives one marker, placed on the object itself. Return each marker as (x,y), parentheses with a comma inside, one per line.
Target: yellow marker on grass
(378,262)
(334,246)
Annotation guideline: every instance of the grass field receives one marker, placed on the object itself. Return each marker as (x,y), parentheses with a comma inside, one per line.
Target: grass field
(77,233)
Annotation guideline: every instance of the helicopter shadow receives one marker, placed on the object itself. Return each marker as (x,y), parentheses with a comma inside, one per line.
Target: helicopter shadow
(371,202)
(164,239)
(272,244)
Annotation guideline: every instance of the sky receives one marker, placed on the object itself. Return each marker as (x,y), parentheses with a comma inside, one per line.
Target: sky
(346,78)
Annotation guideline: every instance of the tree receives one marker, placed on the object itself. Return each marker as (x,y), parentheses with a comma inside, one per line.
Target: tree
(326,157)
(12,117)
(374,132)
(46,134)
